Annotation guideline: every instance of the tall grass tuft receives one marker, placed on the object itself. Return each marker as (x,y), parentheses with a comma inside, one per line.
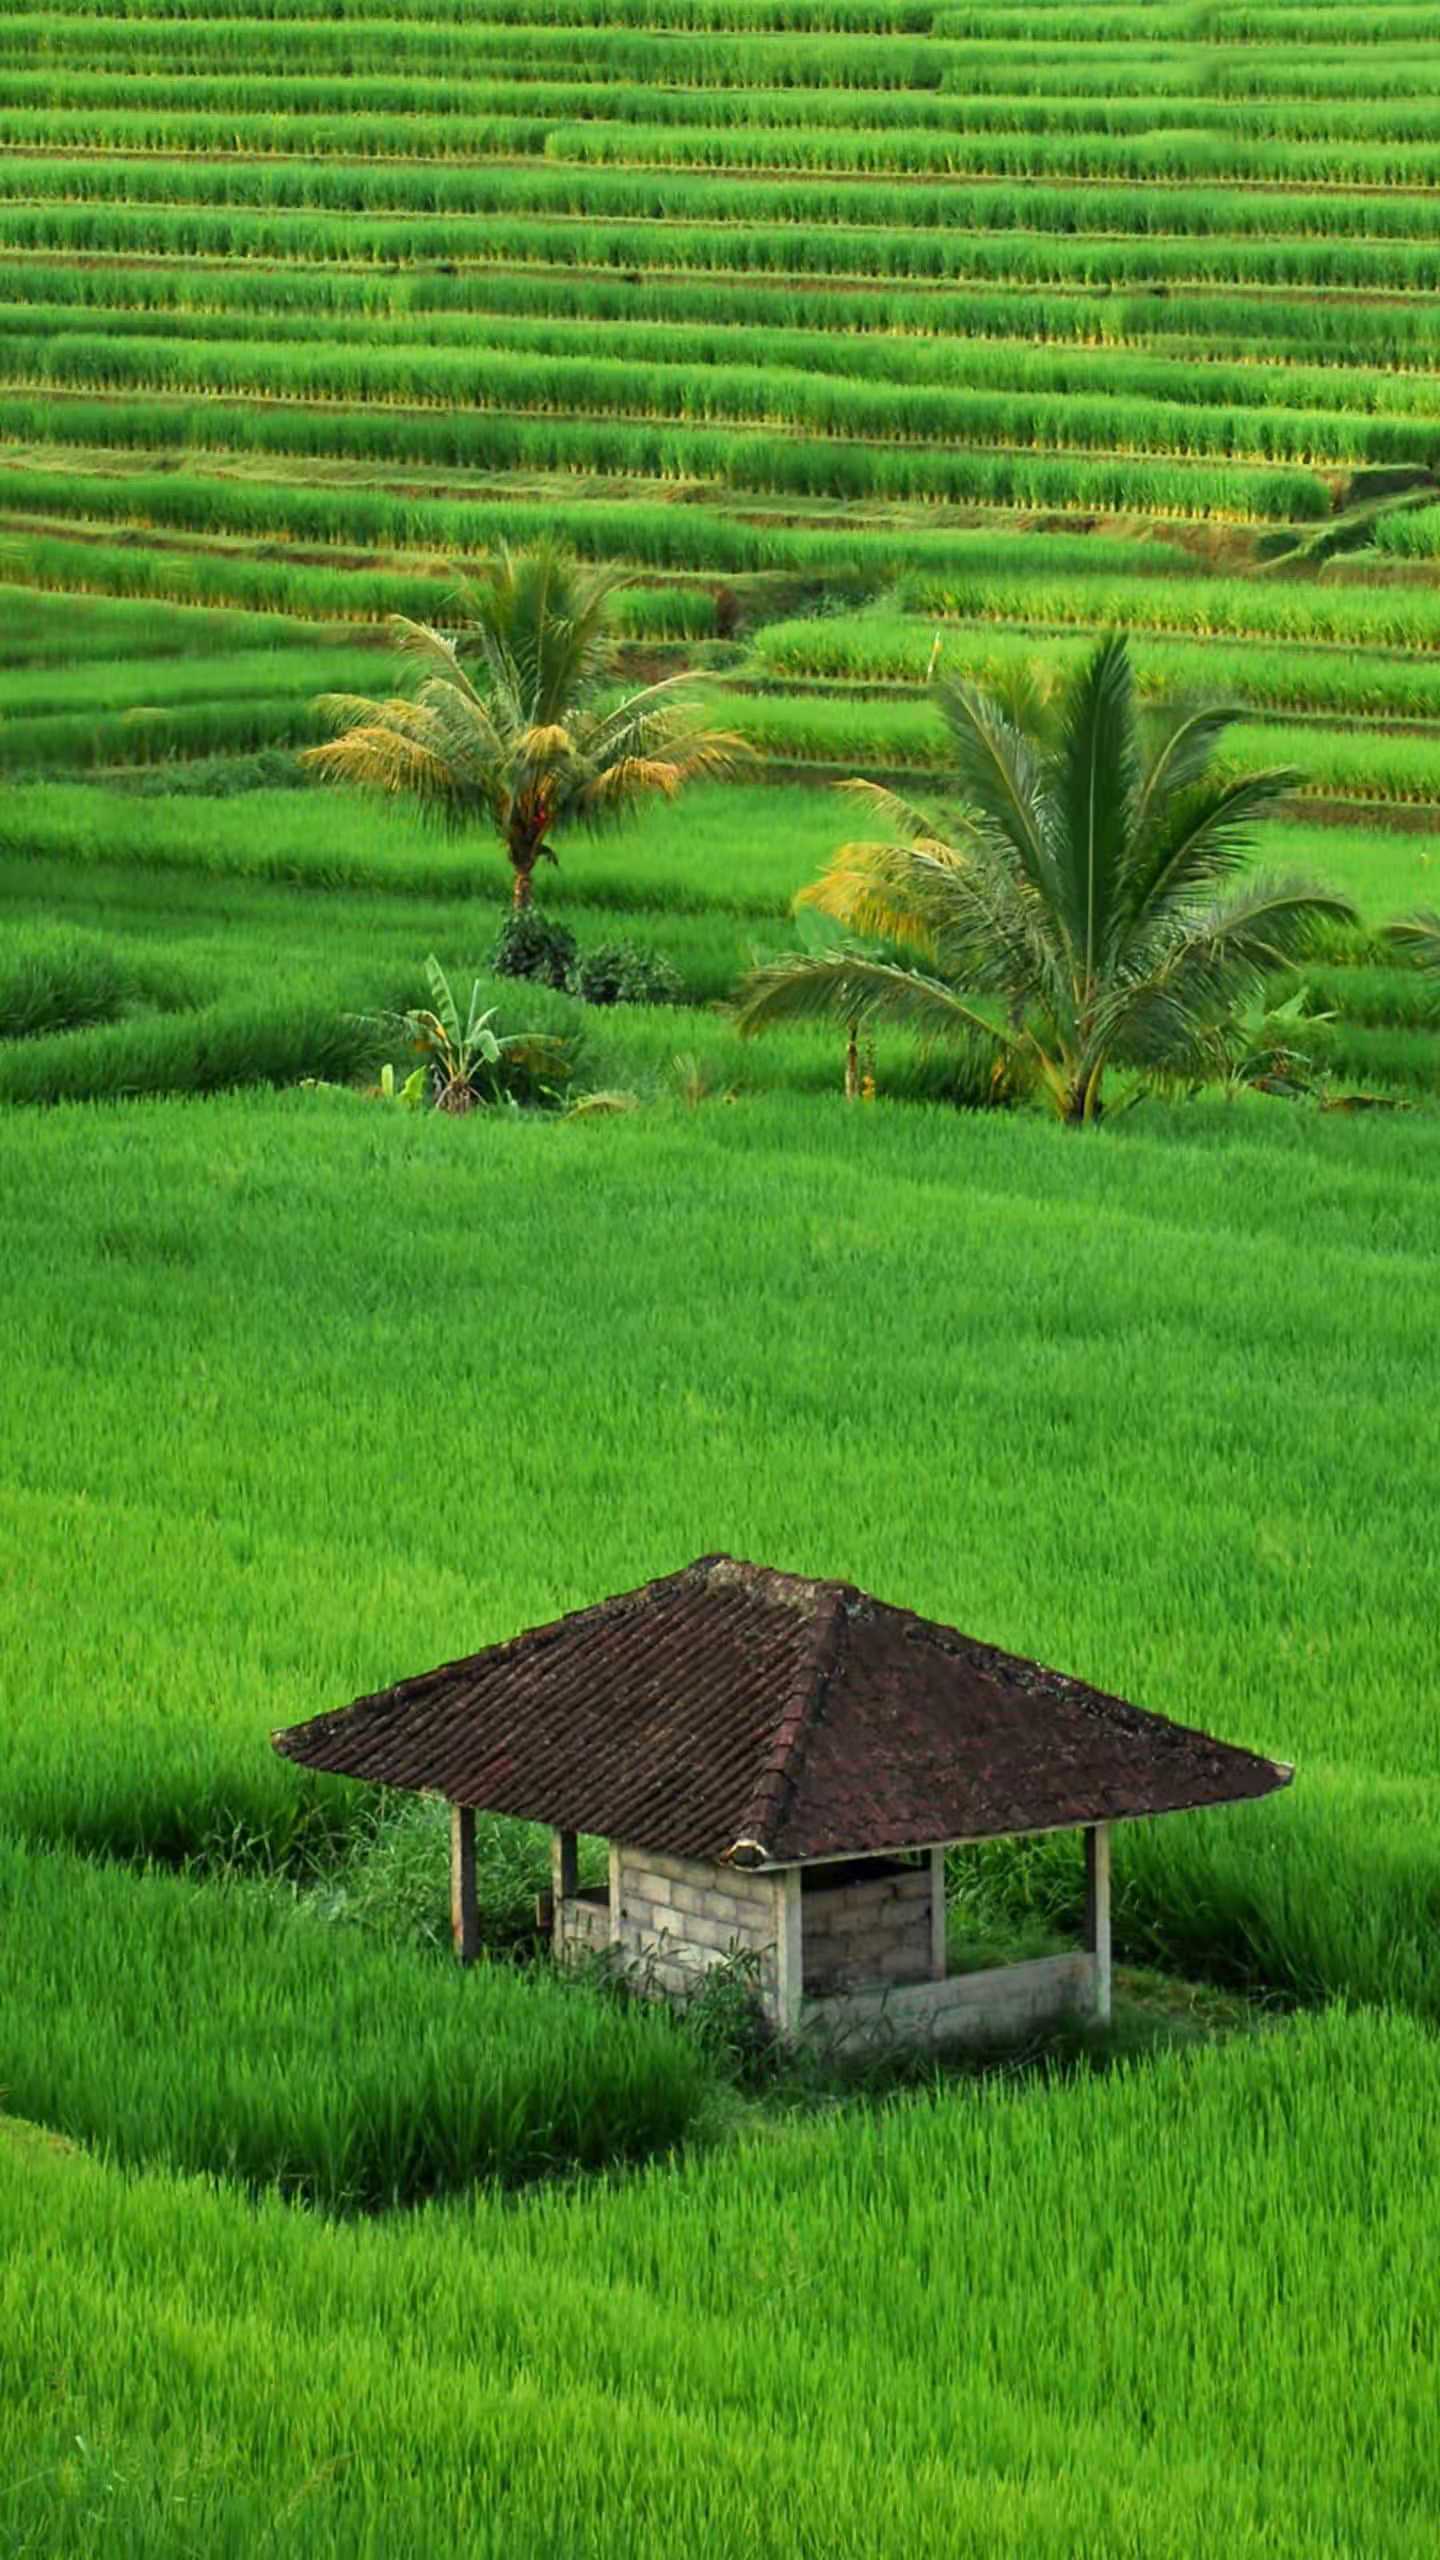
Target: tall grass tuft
(224,2028)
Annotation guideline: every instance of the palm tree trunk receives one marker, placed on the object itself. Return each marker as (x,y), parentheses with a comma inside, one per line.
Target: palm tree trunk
(523,893)
(852,1066)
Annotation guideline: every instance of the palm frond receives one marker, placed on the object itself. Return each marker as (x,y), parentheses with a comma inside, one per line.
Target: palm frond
(541,625)
(1210,837)
(1218,958)
(1418,936)
(385,759)
(849,988)
(1001,775)
(546,742)
(878,889)
(1181,761)
(1272,919)
(341,711)
(433,650)
(1096,779)
(630,778)
(901,817)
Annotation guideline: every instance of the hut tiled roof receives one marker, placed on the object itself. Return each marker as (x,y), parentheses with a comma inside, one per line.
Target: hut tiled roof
(729,1711)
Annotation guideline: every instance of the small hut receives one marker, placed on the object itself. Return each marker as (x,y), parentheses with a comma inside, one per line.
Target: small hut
(778,1767)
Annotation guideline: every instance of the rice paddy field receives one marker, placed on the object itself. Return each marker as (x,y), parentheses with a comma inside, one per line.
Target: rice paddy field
(864,338)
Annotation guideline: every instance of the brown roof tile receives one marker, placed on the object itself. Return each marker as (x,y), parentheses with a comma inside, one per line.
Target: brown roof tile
(729,1710)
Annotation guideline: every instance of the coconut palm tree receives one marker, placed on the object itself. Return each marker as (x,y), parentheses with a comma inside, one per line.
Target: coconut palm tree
(529,743)
(1087,912)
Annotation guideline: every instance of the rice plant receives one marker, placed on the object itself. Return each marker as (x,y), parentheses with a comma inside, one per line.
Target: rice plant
(227,2028)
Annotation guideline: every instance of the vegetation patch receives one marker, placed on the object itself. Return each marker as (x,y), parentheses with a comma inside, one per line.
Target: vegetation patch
(220,2027)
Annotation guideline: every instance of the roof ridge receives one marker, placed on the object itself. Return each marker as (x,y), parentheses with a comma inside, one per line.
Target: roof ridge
(777,1770)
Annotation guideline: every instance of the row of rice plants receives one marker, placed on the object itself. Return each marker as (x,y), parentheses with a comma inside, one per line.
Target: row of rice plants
(1385,336)
(1210,153)
(728,852)
(226,2030)
(63,564)
(60,629)
(439,53)
(884,648)
(55,977)
(421,43)
(1411,535)
(618,137)
(433,355)
(853,251)
(895,733)
(467,48)
(817,17)
(407,106)
(152,733)
(761,393)
(408,102)
(1379,221)
(124,682)
(780,462)
(1323,76)
(1065,64)
(1307,610)
(651,532)
(1334,22)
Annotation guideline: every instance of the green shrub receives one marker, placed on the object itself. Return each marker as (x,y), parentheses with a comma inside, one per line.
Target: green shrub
(624,972)
(532,945)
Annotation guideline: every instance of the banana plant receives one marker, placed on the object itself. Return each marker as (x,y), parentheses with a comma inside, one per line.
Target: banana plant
(468,1062)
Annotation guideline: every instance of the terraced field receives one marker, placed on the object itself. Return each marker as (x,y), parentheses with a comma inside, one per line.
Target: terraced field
(782,296)
(864,337)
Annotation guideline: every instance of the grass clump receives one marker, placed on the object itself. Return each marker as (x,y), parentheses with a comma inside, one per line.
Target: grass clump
(223,2026)
(61,978)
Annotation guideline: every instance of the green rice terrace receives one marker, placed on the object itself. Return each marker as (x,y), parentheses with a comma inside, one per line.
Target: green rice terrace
(968,401)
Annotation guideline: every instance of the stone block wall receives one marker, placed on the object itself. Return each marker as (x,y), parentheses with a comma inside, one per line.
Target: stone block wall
(582,1924)
(679,1916)
(998,2007)
(676,1917)
(866,1923)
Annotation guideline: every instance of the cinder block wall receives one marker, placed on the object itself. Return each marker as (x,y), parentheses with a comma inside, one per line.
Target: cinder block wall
(679,1917)
(865,1925)
(582,1924)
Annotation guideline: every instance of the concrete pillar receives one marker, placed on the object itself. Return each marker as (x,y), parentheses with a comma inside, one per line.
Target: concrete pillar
(616,1924)
(789,1952)
(937,1915)
(1097,1912)
(464,1925)
(564,1885)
